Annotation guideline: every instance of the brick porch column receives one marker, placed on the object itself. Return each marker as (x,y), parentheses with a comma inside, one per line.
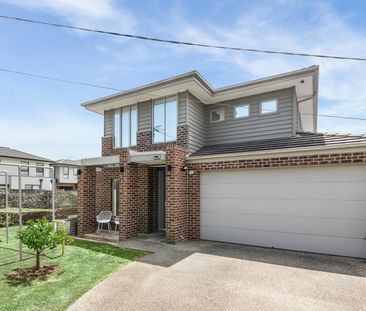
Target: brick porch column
(176,195)
(144,216)
(128,205)
(86,200)
(194,205)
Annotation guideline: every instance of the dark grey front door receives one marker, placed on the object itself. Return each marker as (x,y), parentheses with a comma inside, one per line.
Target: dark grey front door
(161,198)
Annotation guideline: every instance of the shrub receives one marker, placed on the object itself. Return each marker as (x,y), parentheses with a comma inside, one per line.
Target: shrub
(40,235)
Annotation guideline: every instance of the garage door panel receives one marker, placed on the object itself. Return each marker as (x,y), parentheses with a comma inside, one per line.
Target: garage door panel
(348,228)
(328,174)
(336,191)
(316,209)
(329,209)
(317,244)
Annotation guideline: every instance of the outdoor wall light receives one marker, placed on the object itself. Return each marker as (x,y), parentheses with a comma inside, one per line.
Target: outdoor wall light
(184,168)
(121,169)
(79,172)
(169,168)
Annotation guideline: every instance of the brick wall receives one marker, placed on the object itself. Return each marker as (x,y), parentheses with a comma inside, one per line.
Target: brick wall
(86,201)
(144,200)
(128,197)
(104,179)
(265,162)
(176,203)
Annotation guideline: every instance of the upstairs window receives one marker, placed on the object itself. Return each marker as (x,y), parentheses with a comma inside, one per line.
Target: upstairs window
(241,111)
(24,170)
(65,172)
(217,115)
(75,172)
(165,120)
(269,106)
(125,127)
(39,169)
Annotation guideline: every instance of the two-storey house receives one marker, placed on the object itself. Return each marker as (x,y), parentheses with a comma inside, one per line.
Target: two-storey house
(66,174)
(35,171)
(240,164)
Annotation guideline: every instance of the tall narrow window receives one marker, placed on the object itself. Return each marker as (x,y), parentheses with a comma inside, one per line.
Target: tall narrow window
(24,170)
(65,172)
(39,169)
(125,126)
(117,128)
(165,120)
(133,125)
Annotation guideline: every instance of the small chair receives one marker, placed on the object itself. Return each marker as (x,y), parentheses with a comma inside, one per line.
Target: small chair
(104,217)
(116,222)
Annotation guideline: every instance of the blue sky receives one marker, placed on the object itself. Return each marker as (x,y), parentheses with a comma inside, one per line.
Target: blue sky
(45,117)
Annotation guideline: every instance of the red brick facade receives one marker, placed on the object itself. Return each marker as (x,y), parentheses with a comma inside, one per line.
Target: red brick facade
(176,201)
(266,162)
(138,185)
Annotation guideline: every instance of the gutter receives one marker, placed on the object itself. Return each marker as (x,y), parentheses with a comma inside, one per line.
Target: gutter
(357,147)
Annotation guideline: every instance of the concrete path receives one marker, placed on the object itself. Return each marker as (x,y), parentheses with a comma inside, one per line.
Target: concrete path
(217,276)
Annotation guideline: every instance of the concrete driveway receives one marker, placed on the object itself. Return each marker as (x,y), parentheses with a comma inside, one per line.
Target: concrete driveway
(217,276)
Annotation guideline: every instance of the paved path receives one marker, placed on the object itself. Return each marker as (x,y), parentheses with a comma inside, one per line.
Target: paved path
(200,280)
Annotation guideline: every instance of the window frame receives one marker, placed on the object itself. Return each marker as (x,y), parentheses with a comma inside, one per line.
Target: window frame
(242,117)
(63,172)
(261,112)
(165,119)
(40,166)
(119,143)
(75,172)
(24,168)
(218,109)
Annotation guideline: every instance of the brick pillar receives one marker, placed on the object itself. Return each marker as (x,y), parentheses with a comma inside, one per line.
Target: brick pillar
(86,200)
(144,200)
(194,205)
(128,177)
(176,195)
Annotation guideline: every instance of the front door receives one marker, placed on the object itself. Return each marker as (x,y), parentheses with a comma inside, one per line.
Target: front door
(161,198)
(115,196)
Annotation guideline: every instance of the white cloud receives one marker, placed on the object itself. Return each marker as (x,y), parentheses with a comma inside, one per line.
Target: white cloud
(84,13)
(342,83)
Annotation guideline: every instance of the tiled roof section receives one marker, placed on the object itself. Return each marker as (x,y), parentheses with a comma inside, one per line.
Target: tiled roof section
(17,154)
(301,140)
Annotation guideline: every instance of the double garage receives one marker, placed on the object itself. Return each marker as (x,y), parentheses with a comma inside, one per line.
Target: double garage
(313,209)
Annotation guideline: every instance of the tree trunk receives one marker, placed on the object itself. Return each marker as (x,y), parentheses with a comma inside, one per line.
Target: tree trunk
(38,260)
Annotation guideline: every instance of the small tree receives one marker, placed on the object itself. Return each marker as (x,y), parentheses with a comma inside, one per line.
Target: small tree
(40,235)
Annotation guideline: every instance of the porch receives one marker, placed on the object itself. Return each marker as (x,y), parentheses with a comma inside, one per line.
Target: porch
(147,190)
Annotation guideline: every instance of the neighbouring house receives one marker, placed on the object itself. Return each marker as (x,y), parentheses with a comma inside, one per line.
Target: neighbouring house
(240,164)
(66,174)
(35,174)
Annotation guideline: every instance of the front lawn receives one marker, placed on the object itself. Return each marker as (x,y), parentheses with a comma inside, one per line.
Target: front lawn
(85,264)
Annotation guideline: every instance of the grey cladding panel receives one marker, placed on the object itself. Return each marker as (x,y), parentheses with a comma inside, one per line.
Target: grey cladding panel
(254,127)
(144,115)
(182,108)
(196,120)
(108,123)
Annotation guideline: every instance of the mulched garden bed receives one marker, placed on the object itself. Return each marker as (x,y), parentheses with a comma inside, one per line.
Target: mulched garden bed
(32,273)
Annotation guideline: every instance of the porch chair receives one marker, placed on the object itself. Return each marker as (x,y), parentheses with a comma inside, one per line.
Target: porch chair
(116,222)
(104,217)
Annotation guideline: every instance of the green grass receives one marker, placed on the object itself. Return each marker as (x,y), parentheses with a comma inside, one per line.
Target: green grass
(85,264)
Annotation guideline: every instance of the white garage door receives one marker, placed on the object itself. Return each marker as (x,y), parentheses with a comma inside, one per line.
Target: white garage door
(317,209)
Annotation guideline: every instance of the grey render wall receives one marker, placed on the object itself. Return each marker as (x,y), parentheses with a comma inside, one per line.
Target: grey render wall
(145,115)
(256,126)
(196,121)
